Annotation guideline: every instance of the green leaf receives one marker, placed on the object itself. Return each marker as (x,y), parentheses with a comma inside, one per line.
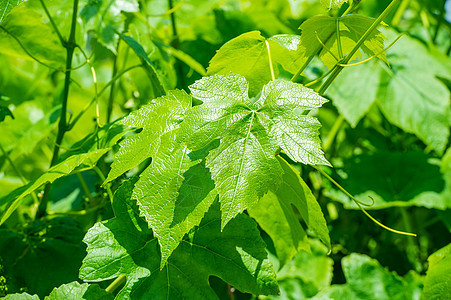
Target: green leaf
(404,179)
(156,118)
(367,279)
(22,296)
(437,283)
(274,213)
(247,55)
(6,6)
(42,255)
(244,166)
(75,290)
(4,111)
(27,26)
(332,4)
(105,18)
(156,80)
(306,274)
(352,27)
(14,199)
(236,255)
(173,194)
(410,95)
(354,91)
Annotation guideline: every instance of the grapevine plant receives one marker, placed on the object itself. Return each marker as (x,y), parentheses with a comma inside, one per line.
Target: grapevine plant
(198,181)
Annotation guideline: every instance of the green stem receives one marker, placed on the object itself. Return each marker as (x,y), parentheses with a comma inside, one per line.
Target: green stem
(348,57)
(62,125)
(84,187)
(333,132)
(111,97)
(271,68)
(116,283)
(340,51)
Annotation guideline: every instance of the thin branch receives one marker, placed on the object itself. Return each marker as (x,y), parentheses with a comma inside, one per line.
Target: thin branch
(271,67)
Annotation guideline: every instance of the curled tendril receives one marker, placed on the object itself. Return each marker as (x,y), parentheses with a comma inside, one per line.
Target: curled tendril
(360,204)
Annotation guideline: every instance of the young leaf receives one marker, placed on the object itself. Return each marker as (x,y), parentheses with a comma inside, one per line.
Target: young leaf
(156,118)
(247,55)
(351,28)
(236,255)
(75,290)
(274,213)
(14,199)
(244,166)
(437,283)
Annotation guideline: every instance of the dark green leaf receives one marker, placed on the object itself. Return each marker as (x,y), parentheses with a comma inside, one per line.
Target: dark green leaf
(237,255)
(4,111)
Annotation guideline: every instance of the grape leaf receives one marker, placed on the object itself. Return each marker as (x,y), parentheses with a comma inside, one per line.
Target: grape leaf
(324,29)
(274,213)
(14,199)
(156,118)
(28,27)
(247,55)
(173,194)
(244,166)
(118,246)
(6,6)
(355,90)
(410,95)
(437,283)
(75,290)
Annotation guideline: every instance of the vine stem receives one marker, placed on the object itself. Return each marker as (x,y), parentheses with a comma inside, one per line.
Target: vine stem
(62,125)
(271,67)
(175,41)
(348,57)
(116,283)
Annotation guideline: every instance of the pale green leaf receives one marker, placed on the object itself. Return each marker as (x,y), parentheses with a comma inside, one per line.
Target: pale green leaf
(77,291)
(6,6)
(355,90)
(244,166)
(247,55)
(14,199)
(26,26)
(274,213)
(351,28)
(410,95)
(236,255)
(156,118)
(437,284)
